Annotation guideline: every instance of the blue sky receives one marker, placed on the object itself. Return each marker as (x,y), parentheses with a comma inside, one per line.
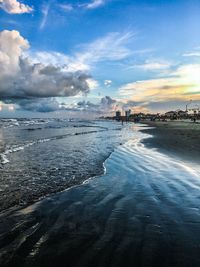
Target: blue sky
(144,55)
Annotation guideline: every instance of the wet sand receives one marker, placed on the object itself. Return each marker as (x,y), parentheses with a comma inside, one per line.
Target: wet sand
(139,213)
(177,138)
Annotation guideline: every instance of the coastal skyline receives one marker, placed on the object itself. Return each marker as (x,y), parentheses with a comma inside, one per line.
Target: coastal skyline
(63,58)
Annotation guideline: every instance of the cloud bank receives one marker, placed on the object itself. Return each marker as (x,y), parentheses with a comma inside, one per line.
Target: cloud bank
(181,85)
(15,7)
(105,106)
(20,78)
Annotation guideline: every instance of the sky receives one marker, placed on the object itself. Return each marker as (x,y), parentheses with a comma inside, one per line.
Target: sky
(93,57)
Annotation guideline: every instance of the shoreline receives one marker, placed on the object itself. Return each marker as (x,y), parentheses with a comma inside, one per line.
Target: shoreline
(138,200)
(176,138)
(95,166)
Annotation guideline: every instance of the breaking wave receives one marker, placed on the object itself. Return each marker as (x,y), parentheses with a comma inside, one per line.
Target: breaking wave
(16,148)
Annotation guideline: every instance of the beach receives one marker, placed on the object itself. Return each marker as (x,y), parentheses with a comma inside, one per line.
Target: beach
(142,211)
(100,133)
(176,138)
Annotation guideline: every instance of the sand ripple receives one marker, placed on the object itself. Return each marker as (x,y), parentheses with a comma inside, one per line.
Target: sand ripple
(143,212)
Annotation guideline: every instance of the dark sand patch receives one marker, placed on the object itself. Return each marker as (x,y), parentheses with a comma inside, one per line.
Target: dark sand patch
(177,138)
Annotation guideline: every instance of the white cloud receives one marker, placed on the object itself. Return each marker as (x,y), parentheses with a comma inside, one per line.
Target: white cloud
(93,84)
(95,4)
(15,7)
(45,12)
(32,79)
(70,63)
(20,78)
(66,7)
(189,73)
(192,54)
(107,83)
(153,65)
(112,47)
(12,44)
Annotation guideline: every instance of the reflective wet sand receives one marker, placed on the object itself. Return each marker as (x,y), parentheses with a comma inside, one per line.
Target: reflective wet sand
(144,211)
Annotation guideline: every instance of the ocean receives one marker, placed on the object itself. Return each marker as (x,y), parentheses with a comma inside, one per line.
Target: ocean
(44,156)
(128,205)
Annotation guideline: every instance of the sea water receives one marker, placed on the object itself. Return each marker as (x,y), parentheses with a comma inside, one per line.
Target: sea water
(43,156)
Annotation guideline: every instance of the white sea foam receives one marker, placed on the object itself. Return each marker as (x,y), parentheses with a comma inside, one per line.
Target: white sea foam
(16,148)
(9,123)
(19,147)
(4,159)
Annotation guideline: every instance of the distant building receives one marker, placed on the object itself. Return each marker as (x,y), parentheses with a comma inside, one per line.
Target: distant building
(118,115)
(127,113)
(193,110)
(178,114)
(171,114)
(182,114)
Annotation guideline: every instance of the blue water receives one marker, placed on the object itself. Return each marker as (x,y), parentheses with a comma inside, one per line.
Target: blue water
(44,156)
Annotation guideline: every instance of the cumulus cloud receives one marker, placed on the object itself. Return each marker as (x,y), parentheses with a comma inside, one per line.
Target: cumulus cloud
(107,101)
(12,44)
(36,78)
(20,78)
(107,83)
(15,7)
(93,84)
(105,106)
